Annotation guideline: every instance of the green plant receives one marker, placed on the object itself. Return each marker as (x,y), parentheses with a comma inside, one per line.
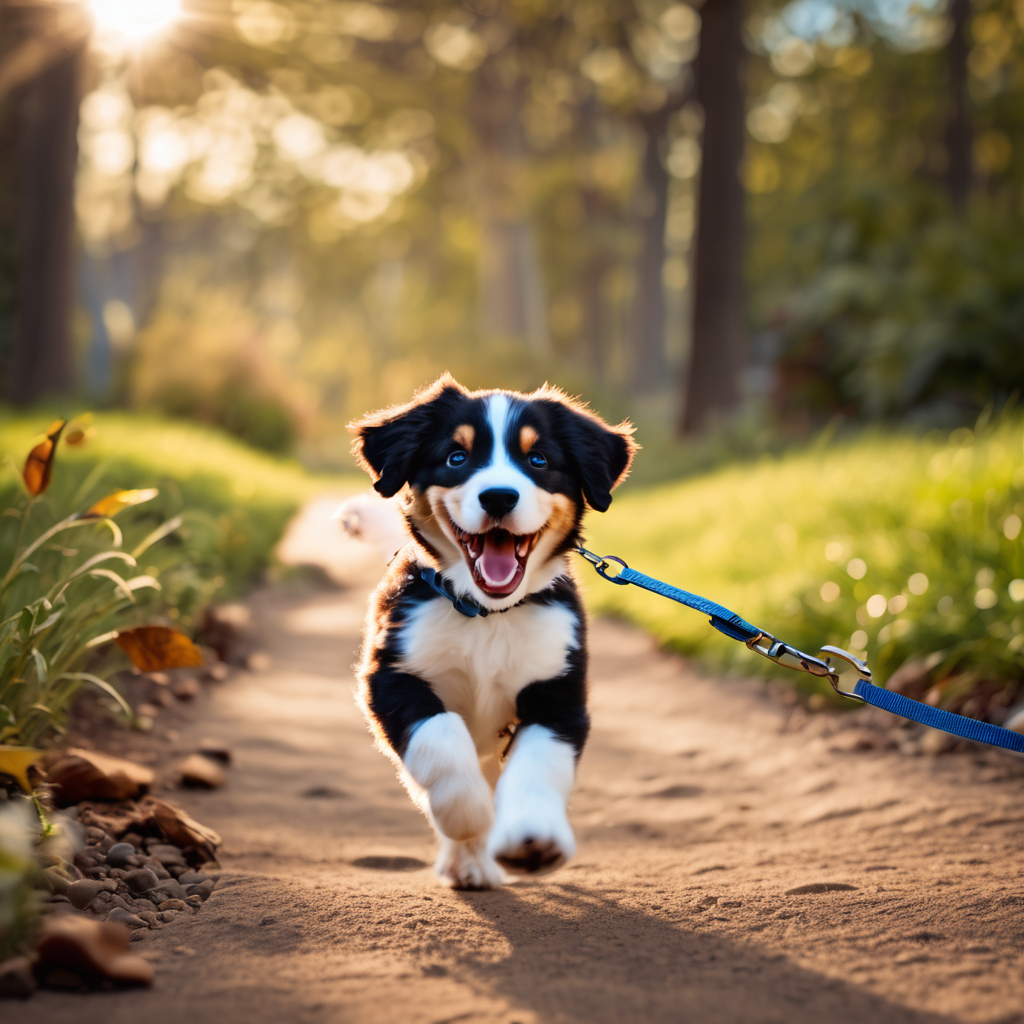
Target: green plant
(896,546)
(58,604)
(19,906)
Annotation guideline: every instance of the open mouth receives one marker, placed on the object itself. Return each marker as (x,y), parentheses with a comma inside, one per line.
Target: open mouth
(496,558)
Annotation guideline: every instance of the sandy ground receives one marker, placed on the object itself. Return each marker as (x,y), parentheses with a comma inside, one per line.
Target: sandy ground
(701,806)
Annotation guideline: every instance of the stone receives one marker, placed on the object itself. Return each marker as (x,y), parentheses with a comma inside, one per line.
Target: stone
(80,774)
(217,672)
(192,878)
(126,917)
(16,978)
(258,661)
(199,772)
(194,901)
(173,905)
(912,678)
(185,688)
(93,951)
(201,889)
(215,750)
(83,892)
(167,916)
(170,889)
(160,678)
(142,880)
(149,917)
(180,828)
(56,881)
(121,855)
(167,855)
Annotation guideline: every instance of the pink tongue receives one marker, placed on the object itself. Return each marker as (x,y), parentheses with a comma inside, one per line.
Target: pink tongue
(498,561)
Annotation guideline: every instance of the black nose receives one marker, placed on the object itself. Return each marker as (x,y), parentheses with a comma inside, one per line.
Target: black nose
(498,501)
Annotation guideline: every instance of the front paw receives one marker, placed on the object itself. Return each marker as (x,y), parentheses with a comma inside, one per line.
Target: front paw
(532,843)
(467,865)
(461,807)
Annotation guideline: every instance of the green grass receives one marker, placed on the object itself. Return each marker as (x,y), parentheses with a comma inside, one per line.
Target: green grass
(234,500)
(774,541)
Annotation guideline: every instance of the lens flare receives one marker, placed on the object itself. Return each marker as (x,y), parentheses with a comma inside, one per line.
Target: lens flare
(135,18)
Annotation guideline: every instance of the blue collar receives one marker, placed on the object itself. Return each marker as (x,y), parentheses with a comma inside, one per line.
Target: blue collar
(464,605)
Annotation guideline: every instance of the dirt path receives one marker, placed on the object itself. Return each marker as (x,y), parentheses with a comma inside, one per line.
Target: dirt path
(701,805)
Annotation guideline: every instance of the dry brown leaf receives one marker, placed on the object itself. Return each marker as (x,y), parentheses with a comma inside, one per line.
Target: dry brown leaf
(88,775)
(109,506)
(39,464)
(157,648)
(180,828)
(96,952)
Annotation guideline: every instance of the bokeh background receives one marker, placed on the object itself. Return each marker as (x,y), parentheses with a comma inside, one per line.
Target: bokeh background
(785,238)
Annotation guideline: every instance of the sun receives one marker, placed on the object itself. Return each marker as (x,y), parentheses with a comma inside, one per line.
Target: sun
(135,18)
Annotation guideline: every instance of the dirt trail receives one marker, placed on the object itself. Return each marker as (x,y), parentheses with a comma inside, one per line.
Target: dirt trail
(700,806)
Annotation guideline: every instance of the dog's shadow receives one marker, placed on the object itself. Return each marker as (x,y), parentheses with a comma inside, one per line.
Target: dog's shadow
(581,957)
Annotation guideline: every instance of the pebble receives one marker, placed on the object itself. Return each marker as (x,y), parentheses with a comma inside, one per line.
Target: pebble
(126,917)
(202,889)
(142,880)
(167,916)
(192,878)
(185,688)
(200,772)
(195,901)
(16,978)
(217,672)
(167,855)
(83,892)
(149,917)
(120,855)
(174,890)
(56,880)
(215,749)
(173,905)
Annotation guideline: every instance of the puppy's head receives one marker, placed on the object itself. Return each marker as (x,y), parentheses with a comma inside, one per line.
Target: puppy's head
(498,481)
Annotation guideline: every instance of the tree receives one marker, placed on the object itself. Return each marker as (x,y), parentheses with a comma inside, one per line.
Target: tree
(717,340)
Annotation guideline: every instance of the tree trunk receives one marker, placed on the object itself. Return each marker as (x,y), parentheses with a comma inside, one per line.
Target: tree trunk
(43,360)
(958,127)
(712,388)
(513,302)
(648,320)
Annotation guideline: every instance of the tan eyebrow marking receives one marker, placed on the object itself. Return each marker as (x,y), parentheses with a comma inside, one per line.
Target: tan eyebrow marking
(464,435)
(528,437)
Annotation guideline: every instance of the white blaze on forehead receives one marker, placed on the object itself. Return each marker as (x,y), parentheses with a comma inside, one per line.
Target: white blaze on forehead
(463,502)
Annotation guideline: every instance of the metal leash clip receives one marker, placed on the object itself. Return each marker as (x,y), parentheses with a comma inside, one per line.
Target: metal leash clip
(783,654)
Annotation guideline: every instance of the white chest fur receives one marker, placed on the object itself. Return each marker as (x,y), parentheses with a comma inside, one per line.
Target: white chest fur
(478,666)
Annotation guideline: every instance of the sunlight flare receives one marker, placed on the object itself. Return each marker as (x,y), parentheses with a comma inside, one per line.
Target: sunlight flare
(135,18)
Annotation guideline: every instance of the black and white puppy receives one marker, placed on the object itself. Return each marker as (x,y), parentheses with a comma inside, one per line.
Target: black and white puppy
(496,484)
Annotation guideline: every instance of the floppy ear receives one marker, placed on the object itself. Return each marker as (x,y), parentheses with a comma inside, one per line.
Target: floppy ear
(603,455)
(387,441)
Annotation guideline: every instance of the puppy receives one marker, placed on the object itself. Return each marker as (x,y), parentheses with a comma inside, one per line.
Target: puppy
(473,672)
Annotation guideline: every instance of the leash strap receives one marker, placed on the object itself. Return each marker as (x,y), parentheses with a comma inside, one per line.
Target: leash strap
(768,646)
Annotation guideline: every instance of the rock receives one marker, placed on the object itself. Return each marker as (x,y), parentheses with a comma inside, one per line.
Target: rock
(1015,718)
(215,750)
(142,880)
(199,772)
(167,916)
(180,828)
(160,678)
(173,905)
(169,890)
(227,628)
(92,951)
(83,892)
(80,774)
(185,688)
(194,901)
(121,855)
(56,881)
(202,889)
(16,978)
(258,661)
(151,919)
(192,878)
(147,712)
(217,672)
(167,855)
(126,917)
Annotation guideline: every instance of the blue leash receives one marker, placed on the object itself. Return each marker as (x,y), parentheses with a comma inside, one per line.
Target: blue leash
(768,646)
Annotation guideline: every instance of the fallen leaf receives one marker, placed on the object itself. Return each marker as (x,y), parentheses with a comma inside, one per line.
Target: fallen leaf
(156,648)
(14,761)
(180,828)
(108,507)
(96,953)
(39,464)
(88,775)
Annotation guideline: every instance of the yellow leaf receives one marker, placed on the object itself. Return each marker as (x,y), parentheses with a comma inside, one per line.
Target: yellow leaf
(109,506)
(156,648)
(14,762)
(39,464)
(79,435)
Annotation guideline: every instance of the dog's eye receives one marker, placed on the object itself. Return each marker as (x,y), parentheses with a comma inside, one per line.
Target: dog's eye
(537,460)
(457,458)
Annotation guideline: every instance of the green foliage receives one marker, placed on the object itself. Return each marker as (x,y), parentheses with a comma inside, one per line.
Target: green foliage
(66,581)
(935,522)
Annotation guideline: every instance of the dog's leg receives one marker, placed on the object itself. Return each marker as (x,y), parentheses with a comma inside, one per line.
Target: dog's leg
(531,833)
(441,763)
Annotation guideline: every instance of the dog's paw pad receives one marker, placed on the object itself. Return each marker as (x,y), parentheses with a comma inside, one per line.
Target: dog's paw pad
(532,856)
